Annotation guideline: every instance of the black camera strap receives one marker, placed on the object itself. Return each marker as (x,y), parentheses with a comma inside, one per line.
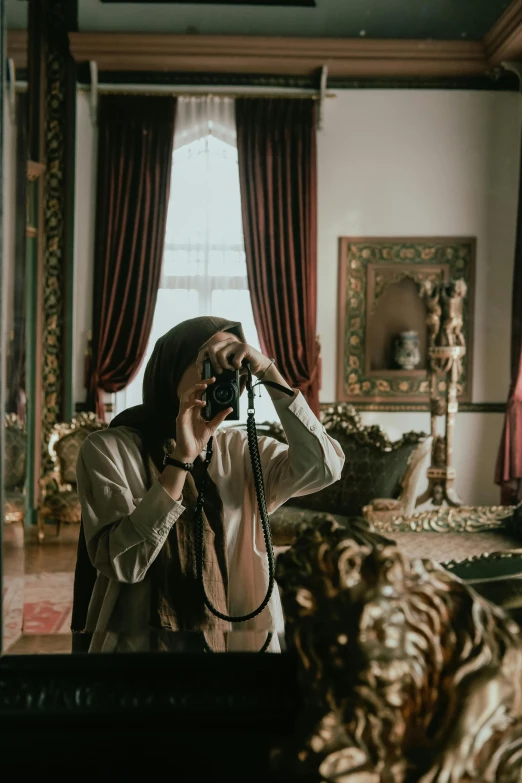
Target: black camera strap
(257,472)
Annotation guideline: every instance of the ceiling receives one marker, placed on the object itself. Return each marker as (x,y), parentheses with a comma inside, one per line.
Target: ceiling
(434,19)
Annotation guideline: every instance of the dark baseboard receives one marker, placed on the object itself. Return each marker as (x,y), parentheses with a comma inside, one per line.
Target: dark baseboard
(501,80)
(421,407)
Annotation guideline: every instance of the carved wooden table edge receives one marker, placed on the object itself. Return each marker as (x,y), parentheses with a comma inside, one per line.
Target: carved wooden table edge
(484,557)
(227,688)
(460,519)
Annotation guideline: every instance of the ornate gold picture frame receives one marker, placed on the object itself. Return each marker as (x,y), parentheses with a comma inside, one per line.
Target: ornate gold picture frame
(368,266)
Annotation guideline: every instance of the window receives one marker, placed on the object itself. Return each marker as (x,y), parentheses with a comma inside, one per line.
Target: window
(204,267)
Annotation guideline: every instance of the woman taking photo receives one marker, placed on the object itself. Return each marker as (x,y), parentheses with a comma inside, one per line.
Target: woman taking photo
(136,578)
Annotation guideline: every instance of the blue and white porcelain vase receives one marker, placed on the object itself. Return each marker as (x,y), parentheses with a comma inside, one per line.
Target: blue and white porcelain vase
(407,350)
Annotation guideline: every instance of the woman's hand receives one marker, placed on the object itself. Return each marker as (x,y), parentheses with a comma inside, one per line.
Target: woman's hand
(192,431)
(230,354)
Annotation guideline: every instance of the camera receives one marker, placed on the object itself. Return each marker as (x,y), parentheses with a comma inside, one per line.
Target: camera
(222,394)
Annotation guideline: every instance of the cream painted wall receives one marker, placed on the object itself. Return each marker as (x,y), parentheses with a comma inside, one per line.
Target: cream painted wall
(428,163)
(84,222)
(391,163)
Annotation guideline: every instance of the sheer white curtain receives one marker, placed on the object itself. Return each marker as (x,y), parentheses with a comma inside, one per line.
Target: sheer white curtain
(204,268)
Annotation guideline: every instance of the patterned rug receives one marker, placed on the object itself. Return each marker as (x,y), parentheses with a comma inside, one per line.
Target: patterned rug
(48,603)
(12,609)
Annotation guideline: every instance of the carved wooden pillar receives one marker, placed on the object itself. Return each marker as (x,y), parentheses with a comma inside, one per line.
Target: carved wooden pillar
(446,353)
(52,109)
(59,135)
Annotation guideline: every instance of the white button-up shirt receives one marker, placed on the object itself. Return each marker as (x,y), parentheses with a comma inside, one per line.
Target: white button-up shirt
(126,523)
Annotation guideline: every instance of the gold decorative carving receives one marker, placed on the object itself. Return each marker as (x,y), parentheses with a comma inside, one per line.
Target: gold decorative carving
(55,197)
(391,276)
(13,421)
(447,348)
(452,298)
(83,421)
(446,519)
(407,675)
(367,266)
(53,484)
(342,419)
(343,416)
(431,294)
(15,456)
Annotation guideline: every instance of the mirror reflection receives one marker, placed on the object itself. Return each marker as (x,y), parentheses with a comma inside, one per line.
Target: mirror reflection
(249,290)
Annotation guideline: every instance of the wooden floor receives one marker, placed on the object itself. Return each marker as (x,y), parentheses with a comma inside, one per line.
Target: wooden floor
(55,553)
(24,556)
(13,550)
(33,644)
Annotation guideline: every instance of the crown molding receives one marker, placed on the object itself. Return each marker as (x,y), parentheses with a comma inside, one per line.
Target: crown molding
(346,58)
(504,40)
(281,56)
(17,47)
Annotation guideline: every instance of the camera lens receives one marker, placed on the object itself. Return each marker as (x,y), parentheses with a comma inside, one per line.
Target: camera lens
(225,393)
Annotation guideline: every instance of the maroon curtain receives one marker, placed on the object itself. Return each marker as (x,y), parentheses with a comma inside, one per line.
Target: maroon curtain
(276,141)
(509,462)
(134,164)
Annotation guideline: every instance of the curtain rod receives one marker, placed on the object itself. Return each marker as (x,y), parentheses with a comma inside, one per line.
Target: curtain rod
(199,91)
(192,91)
(202,91)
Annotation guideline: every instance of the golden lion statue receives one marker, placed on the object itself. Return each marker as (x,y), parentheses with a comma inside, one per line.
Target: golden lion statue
(408,675)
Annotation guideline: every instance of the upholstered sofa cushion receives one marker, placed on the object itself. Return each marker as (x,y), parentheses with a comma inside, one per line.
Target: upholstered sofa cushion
(67,450)
(369,472)
(375,467)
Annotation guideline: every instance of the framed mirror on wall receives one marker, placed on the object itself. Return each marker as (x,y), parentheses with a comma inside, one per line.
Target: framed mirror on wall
(150,176)
(46,390)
